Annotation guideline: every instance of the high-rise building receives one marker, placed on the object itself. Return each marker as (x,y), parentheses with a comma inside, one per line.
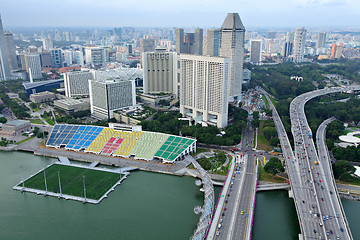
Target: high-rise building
(320,43)
(108,95)
(190,43)
(77,83)
(299,45)
(45,59)
(118,32)
(204,88)
(10,51)
(232,36)
(57,60)
(96,55)
(287,49)
(47,44)
(79,58)
(179,40)
(212,43)
(68,57)
(198,41)
(33,65)
(4,63)
(147,45)
(160,72)
(336,50)
(255,51)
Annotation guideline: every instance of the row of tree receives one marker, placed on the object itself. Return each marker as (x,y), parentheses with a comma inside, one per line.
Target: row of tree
(168,122)
(19,110)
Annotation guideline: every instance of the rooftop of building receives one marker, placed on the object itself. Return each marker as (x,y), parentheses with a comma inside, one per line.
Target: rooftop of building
(16,122)
(41,83)
(72,101)
(41,94)
(232,22)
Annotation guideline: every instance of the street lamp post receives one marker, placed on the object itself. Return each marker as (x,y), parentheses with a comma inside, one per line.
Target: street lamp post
(59,184)
(84,189)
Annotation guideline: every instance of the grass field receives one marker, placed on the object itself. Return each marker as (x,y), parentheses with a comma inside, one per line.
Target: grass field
(262,142)
(24,140)
(36,121)
(97,182)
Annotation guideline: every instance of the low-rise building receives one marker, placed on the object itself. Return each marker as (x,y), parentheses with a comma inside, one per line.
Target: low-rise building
(42,97)
(70,105)
(16,127)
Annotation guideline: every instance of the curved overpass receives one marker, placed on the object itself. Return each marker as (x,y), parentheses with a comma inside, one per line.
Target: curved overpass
(323,216)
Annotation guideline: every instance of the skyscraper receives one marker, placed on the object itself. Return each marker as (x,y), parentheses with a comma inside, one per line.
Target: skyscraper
(47,43)
(160,72)
(198,42)
(10,51)
(299,45)
(147,45)
(108,94)
(77,83)
(96,55)
(320,43)
(212,43)
(255,51)
(179,40)
(336,50)
(4,63)
(33,65)
(232,35)
(190,43)
(204,88)
(57,60)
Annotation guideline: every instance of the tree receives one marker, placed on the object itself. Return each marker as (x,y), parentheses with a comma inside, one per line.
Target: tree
(3,120)
(273,166)
(33,105)
(134,64)
(342,167)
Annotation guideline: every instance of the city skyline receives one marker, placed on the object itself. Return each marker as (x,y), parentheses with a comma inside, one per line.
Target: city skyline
(339,13)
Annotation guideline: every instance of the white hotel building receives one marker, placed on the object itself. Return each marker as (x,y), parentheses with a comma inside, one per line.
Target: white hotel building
(110,92)
(204,88)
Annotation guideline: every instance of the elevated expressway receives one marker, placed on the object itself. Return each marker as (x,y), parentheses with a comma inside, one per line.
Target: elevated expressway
(312,185)
(319,189)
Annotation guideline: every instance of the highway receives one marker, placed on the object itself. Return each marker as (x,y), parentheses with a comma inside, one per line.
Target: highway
(323,216)
(235,216)
(312,184)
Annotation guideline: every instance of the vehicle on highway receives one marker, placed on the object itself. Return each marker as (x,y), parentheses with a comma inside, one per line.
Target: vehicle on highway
(322,199)
(245,215)
(242,212)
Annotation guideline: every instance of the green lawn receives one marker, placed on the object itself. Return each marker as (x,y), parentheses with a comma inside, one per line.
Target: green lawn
(97,182)
(26,139)
(273,101)
(49,121)
(261,140)
(36,121)
(267,105)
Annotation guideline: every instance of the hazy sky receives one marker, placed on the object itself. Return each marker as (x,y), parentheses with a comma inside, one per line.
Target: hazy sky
(180,13)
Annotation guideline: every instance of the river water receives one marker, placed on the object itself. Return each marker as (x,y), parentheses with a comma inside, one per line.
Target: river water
(145,206)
